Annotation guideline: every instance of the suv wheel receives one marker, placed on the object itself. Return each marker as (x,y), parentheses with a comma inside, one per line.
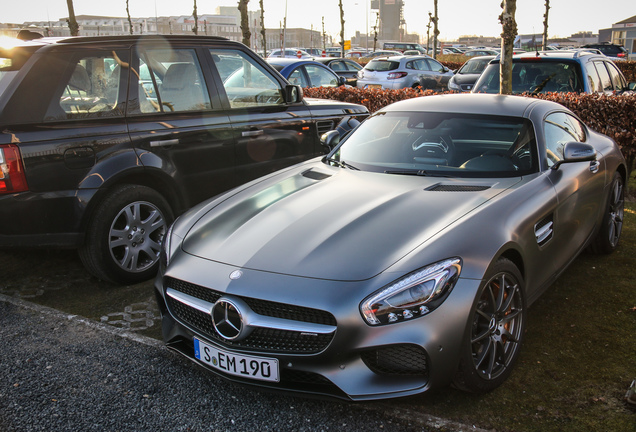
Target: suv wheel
(123,239)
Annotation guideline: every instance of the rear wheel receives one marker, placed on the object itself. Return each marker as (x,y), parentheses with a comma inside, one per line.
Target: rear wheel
(497,324)
(609,234)
(123,239)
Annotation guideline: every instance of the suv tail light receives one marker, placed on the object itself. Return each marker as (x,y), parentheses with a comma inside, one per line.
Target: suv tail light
(397,75)
(12,178)
(621,54)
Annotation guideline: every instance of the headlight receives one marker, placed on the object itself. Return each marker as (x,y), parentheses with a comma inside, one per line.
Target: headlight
(452,85)
(412,296)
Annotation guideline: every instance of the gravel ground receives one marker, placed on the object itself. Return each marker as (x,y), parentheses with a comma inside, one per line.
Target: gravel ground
(65,373)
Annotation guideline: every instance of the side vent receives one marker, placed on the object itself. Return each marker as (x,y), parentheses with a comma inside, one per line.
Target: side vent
(315,175)
(456,188)
(544,230)
(324,126)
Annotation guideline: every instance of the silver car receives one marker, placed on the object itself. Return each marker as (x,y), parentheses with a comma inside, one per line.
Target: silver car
(403,261)
(403,72)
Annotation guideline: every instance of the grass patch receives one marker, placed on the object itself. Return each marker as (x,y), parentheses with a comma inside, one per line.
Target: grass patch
(578,359)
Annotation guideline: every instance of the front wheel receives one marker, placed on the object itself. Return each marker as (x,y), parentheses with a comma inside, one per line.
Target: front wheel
(496,328)
(606,239)
(123,239)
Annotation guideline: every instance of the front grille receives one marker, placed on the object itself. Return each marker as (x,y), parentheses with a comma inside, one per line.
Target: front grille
(405,359)
(261,339)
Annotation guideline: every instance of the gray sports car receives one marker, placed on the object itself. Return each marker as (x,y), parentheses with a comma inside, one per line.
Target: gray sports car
(402,261)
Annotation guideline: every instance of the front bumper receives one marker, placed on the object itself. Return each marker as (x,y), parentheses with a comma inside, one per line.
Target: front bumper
(355,362)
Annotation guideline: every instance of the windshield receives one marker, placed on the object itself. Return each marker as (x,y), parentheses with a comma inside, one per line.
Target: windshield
(536,76)
(441,144)
(476,66)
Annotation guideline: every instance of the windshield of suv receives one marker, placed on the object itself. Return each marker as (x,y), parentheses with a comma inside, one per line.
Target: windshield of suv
(475,66)
(440,144)
(382,65)
(535,76)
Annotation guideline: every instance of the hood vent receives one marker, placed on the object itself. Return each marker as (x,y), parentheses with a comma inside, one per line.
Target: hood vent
(456,188)
(315,175)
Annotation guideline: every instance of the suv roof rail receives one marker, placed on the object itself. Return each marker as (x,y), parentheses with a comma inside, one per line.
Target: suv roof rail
(82,39)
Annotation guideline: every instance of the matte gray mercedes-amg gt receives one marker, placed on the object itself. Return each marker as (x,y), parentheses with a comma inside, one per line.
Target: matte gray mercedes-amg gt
(402,261)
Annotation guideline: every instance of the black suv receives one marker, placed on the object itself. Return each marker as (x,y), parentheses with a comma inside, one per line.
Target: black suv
(105,140)
(617,52)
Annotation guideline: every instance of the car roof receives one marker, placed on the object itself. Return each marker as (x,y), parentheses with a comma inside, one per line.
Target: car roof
(472,103)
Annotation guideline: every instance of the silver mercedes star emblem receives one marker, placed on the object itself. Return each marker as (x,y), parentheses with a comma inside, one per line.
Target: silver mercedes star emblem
(227,319)
(236,274)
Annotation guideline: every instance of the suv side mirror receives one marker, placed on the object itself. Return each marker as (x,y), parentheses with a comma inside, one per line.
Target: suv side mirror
(293,93)
(576,152)
(329,140)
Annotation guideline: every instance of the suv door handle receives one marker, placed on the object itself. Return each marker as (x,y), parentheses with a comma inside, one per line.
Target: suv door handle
(164,143)
(594,165)
(252,133)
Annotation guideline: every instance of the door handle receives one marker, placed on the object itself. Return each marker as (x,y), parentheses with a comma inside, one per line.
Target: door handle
(164,143)
(594,166)
(252,133)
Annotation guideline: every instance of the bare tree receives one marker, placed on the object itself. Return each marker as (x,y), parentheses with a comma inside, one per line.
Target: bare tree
(245,22)
(72,22)
(435,29)
(130,24)
(428,32)
(545,25)
(375,30)
(342,23)
(263,28)
(195,29)
(508,35)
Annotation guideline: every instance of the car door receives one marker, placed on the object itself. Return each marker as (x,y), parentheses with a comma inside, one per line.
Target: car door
(270,133)
(578,185)
(176,120)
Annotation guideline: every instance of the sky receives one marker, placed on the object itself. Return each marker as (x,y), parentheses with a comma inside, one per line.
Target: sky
(456,17)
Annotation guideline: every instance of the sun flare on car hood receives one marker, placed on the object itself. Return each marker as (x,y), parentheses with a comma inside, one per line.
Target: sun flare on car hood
(312,223)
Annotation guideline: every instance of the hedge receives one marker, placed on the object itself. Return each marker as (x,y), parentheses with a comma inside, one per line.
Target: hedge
(612,115)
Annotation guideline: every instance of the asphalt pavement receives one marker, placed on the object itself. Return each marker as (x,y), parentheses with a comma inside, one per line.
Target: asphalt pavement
(61,372)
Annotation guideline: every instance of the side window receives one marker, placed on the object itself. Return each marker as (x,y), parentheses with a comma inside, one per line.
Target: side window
(249,84)
(352,66)
(617,78)
(592,75)
(170,80)
(320,77)
(297,77)
(435,66)
(422,65)
(90,89)
(605,80)
(561,128)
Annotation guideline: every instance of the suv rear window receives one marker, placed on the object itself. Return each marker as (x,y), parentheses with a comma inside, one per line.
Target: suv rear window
(382,65)
(11,60)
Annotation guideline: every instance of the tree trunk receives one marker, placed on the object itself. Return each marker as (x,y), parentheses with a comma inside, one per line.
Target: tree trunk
(435,30)
(508,35)
(263,29)
(130,24)
(545,25)
(195,29)
(245,22)
(342,23)
(72,22)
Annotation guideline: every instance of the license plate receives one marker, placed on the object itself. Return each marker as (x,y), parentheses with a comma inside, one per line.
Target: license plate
(260,368)
(378,86)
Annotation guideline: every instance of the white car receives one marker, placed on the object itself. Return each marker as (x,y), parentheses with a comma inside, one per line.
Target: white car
(404,71)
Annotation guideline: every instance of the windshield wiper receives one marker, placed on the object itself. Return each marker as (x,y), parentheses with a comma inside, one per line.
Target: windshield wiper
(341,164)
(415,172)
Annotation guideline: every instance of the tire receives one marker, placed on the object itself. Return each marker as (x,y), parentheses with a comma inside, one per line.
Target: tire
(496,328)
(606,240)
(124,235)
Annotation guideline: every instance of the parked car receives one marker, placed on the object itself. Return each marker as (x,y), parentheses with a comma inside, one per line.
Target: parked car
(557,71)
(381,53)
(404,71)
(291,53)
(464,79)
(480,53)
(306,73)
(404,260)
(96,156)
(615,52)
(404,46)
(342,67)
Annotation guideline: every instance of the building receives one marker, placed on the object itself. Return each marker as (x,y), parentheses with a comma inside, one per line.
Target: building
(624,33)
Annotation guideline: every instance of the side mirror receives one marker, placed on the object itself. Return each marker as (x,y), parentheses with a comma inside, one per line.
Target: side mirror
(329,140)
(293,93)
(576,152)
(341,81)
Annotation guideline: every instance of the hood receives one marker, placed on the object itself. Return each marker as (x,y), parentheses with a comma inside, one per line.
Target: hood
(333,223)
